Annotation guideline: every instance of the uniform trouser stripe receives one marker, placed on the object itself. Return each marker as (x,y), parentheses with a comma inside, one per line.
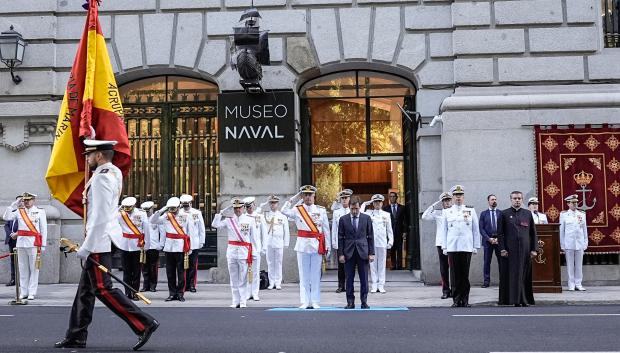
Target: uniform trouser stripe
(112,302)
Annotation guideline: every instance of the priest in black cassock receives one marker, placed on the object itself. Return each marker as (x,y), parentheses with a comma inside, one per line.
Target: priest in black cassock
(517,243)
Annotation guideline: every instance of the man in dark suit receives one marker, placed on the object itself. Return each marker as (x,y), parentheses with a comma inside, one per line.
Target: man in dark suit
(400,227)
(356,248)
(488,231)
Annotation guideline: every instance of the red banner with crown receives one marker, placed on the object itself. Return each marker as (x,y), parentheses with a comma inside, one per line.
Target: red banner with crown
(585,162)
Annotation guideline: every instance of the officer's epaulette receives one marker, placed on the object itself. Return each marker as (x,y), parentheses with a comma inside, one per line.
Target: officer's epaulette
(319,206)
(469,206)
(104,170)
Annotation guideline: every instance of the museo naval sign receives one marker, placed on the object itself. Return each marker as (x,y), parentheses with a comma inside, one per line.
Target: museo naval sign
(262,122)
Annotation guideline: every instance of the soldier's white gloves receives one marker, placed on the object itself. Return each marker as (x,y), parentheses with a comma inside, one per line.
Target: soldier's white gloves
(82,253)
(201,245)
(162,210)
(161,247)
(389,246)
(445,252)
(475,251)
(15,203)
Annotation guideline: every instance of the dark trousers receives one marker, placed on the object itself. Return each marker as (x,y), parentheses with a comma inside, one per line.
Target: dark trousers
(396,252)
(150,269)
(447,274)
(460,289)
(362,270)
(489,249)
(341,276)
(96,283)
(175,273)
(192,271)
(130,261)
(12,244)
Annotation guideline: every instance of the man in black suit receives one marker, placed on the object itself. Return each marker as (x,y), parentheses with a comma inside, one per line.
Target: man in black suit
(356,248)
(400,226)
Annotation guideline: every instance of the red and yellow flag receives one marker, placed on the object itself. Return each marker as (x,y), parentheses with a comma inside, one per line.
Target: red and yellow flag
(91,100)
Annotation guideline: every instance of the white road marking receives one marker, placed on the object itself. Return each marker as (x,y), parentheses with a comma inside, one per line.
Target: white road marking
(532,315)
(560,352)
(7,315)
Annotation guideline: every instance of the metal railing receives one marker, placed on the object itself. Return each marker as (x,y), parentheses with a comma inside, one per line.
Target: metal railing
(611,22)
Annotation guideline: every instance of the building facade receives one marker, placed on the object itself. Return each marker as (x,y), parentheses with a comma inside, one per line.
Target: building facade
(491,69)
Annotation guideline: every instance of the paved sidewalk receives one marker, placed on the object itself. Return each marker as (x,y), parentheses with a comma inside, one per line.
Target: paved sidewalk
(402,290)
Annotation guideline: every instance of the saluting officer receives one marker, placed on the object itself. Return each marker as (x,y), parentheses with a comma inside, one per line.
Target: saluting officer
(573,241)
(431,214)
(258,246)
(197,239)
(31,238)
(278,238)
(150,270)
(461,238)
(384,239)
(131,242)
(340,209)
(312,243)
(539,217)
(240,229)
(103,191)
(177,245)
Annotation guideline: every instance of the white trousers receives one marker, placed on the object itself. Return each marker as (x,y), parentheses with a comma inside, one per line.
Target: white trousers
(254,285)
(274,265)
(309,277)
(28,273)
(574,264)
(238,273)
(377,268)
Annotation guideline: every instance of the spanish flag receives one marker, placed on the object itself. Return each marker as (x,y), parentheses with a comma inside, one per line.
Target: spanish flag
(91,102)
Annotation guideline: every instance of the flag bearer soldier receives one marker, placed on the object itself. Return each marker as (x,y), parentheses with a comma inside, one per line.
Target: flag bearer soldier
(258,247)
(384,239)
(461,236)
(132,242)
(240,229)
(343,200)
(177,245)
(198,239)
(150,269)
(278,238)
(312,243)
(431,214)
(31,236)
(102,193)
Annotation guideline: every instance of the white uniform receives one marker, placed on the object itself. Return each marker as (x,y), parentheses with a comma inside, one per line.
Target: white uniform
(278,238)
(172,244)
(156,236)
(241,229)
(127,240)
(384,239)
(539,218)
(574,241)
(102,228)
(26,249)
(258,248)
(308,258)
(335,219)
(431,214)
(460,229)
(198,226)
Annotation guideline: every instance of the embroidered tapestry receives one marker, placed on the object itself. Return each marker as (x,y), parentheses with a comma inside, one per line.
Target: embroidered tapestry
(585,162)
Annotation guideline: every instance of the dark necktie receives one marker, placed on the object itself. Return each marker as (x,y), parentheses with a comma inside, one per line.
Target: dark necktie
(355,223)
(493,222)
(394,210)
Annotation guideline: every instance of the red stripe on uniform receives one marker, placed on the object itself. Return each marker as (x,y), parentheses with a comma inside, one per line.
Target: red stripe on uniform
(112,301)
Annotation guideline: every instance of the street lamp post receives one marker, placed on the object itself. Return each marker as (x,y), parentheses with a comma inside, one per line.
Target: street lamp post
(12,46)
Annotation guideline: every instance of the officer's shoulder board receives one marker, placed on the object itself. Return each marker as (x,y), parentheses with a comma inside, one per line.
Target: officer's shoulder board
(469,206)
(321,207)
(104,170)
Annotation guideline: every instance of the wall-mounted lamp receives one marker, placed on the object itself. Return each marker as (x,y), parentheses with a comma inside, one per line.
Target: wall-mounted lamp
(12,47)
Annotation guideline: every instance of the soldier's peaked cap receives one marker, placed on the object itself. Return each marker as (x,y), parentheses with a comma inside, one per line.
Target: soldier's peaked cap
(572,198)
(147,205)
(533,200)
(274,198)
(28,196)
(236,202)
(98,145)
(129,201)
(249,200)
(173,202)
(457,190)
(445,196)
(377,197)
(307,189)
(185,198)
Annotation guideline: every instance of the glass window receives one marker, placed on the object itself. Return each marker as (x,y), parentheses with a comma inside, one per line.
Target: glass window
(386,125)
(168,89)
(338,126)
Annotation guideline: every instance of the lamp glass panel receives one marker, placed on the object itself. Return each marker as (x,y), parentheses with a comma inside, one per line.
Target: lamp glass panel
(20,52)
(8,48)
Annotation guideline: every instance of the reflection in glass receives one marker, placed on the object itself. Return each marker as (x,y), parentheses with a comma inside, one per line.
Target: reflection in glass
(386,125)
(168,89)
(338,126)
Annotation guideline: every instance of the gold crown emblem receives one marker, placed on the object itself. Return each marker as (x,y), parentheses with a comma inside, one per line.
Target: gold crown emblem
(583,178)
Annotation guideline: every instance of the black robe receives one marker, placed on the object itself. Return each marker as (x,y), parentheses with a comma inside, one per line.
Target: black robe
(517,235)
